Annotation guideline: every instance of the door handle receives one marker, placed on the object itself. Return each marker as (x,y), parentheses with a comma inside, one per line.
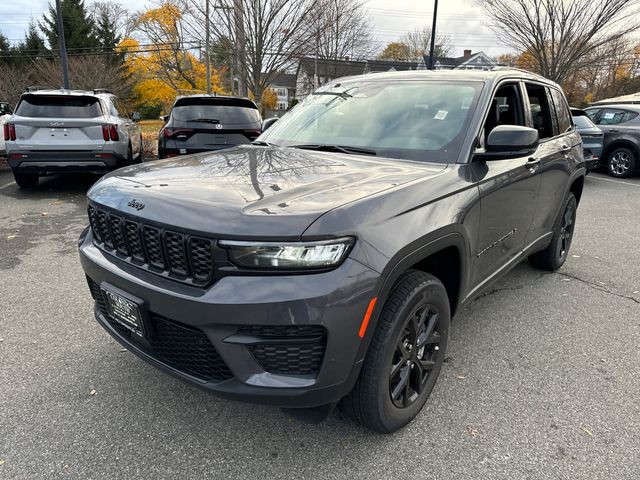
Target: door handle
(565,149)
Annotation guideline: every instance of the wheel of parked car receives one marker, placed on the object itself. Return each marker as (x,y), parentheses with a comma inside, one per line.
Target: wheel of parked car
(26,180)
(556,253)
(622,162)
(405,356)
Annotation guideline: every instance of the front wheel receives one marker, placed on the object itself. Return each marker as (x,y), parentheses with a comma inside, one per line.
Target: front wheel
(622,163)
(552,257)
(26,180)
(405,355)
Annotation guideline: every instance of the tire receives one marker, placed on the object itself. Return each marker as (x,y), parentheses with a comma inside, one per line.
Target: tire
(622,163)
(26,180)
(554,256)
(417,310)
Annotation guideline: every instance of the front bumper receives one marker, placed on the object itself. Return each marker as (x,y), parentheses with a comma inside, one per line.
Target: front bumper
(64,161)
(231,317)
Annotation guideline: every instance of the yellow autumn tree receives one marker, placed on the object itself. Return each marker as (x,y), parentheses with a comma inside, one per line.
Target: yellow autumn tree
(269,100)
(161,67)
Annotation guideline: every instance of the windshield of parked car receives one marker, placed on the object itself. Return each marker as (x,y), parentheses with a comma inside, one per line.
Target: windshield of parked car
(583,121)
(215,111)
(59,106)
(413,120)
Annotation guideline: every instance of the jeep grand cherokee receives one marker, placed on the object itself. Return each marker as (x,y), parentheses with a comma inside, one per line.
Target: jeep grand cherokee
(323,263)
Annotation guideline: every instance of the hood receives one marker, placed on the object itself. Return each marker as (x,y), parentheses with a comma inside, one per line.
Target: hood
(251,191)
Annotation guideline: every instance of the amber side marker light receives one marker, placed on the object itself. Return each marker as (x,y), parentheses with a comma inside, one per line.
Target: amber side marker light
(367,316)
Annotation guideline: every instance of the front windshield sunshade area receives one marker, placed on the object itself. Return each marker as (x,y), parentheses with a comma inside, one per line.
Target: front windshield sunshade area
(413,120)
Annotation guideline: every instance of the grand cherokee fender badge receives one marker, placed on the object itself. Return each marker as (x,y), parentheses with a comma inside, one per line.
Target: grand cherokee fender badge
(135,204)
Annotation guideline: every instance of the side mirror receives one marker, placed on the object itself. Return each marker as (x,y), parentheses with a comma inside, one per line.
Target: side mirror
(268,122)
(510,141)
(164,118)
(135,116)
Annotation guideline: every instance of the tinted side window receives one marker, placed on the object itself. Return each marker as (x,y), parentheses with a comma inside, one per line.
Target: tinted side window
(562,111)
(540,110)
(122,109)
(614,116)
(58,106)
(592,113)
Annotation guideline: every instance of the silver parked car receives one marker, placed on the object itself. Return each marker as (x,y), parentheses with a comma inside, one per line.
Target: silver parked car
(59,131)
(592,138)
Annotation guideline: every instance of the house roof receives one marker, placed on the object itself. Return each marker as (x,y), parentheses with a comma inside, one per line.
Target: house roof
(287,80)
(334,68)
(478,59)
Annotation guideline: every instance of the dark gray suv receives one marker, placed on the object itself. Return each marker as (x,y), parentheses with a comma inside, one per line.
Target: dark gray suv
(323,263)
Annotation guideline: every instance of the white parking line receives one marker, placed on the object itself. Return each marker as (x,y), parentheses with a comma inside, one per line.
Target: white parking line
(614,181)
(7,185)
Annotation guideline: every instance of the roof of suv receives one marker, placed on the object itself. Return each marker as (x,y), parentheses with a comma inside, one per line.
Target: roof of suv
(624,106)
(494,75)
(62,91)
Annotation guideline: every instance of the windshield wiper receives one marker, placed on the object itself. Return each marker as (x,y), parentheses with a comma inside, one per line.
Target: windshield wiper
(336,148)
(204,120)
(262,143)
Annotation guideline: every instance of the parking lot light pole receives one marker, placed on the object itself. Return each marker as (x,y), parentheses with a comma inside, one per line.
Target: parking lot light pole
(63,49)
(432,48)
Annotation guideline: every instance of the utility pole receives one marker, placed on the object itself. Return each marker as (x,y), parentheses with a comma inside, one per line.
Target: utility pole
(63,48)
(239,26)
(433,35)
(207,60)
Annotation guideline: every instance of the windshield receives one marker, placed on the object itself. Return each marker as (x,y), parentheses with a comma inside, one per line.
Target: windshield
(212,111)
(413,120)
(59,106)
(583,122)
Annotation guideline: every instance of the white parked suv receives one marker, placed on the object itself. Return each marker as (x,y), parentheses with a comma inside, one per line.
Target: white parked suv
(58,131)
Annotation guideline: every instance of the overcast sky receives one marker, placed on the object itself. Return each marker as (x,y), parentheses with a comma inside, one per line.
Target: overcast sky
(462,20)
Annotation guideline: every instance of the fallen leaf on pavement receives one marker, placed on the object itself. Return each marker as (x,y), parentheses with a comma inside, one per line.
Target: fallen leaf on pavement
(10,237)
(472,431)
(92,392)
(1,462)
(587,431)
(44,214)
(460,376)
(123,350)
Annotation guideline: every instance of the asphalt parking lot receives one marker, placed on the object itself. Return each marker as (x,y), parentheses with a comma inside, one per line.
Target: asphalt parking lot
(542,378)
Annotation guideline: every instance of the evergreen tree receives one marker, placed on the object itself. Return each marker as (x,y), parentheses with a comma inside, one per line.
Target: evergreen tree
(33,44)
(79,27)
(106,31)
(5,45)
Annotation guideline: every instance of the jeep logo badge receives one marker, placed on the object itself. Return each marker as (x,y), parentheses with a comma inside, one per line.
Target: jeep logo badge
(135,204)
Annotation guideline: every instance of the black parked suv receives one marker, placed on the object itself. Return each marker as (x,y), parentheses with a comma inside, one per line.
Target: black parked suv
(323,263)
(200,123)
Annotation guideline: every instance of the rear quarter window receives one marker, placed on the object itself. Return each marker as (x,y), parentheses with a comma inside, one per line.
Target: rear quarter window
(59,107)
(562,111)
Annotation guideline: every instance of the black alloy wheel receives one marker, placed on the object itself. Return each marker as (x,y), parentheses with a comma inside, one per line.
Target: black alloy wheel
(405,354)
(416,355)
(554,256)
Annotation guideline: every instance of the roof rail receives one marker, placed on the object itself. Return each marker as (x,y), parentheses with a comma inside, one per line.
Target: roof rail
(101,90)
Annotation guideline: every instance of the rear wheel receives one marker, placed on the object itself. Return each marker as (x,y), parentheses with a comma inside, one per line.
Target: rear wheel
(552,257)
(26,180)
(622,163)
(405,356)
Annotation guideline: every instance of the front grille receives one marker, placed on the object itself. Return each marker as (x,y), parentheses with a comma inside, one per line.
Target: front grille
(304,357)
(166,252)
(184,348)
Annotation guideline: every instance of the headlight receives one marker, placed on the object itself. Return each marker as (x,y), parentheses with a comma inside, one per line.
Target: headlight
(289,255)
